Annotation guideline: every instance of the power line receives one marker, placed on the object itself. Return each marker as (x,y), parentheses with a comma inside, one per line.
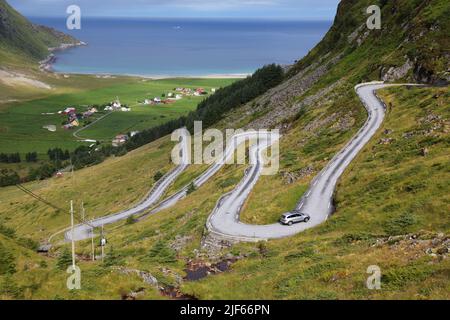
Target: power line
(58,209)
(39,198)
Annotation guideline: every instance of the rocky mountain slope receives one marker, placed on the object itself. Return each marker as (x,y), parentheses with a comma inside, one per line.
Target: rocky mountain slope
(391,204)
(18,36)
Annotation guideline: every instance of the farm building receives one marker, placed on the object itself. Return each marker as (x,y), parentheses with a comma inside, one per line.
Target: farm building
(119,140)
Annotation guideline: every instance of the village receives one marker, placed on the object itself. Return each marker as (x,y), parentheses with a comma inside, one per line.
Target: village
(172,97)
(73,118)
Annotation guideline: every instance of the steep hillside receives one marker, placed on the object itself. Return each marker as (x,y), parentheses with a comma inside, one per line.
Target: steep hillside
(412,44)
(392,204)
(20,37)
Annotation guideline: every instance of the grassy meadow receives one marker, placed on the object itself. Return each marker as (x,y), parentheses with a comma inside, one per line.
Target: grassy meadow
(21,123)
(328,262)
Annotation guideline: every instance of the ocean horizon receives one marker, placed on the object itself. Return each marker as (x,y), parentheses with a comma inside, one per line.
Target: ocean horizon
(160,48)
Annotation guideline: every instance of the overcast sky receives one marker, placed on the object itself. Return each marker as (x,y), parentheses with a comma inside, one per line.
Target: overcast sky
(284,9)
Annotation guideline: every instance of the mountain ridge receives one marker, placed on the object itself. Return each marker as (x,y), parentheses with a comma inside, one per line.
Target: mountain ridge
(19,36)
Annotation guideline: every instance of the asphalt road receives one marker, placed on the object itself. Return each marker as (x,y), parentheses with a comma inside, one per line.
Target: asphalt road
(84,231)
(318,200)
(225,218)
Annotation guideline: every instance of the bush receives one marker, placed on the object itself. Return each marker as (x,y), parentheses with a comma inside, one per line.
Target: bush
(130,220)
(42,172)
(10,158)
(191,188)
(31,157)
(112,258)
(399,225)
(8,178)
(161,253)
(7,231)
(64,259)
(7,261)
(158,176)
(28,243)
(9,288)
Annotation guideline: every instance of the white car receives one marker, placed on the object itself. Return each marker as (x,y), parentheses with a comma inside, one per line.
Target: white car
(294,217)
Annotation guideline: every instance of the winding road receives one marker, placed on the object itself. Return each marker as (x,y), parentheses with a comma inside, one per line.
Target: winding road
(225,218)
(84,231)
(318,199)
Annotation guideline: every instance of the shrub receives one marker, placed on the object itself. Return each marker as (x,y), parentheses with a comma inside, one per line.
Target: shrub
(7,231)
(158,176)
(191,188)
(399,225)
(8,178)
(130,220)
(31,157)
(161,253)
(112,258)
(9,288)
(64,259)
(7,261)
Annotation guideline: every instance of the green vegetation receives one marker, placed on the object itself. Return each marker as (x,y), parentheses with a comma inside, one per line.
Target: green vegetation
(391,204)
(158,176)
(367,55)
(64,259)
(22,123)
(327,262)
(215,106)
(19,36)
(191,188)
(7,261)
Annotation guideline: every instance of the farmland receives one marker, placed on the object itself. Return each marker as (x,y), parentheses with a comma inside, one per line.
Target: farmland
(22,122)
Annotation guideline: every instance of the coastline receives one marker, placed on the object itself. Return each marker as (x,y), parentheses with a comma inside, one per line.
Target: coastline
(46,65)
(162,77)
(148,77)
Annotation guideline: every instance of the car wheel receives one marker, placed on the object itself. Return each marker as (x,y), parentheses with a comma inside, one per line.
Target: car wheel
(290,223)
(306,219)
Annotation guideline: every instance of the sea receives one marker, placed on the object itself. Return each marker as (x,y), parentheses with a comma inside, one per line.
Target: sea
(183,47)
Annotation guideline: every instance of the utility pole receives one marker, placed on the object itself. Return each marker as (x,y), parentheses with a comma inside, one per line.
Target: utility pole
(103,245)
(73,234)
(92,244)
(82,211)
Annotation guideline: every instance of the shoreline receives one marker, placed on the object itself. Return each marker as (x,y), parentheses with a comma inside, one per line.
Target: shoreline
(159,77)
(47,66)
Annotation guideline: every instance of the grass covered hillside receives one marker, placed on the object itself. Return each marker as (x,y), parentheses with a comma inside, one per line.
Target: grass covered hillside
(413,42)
(20,37)
(396,219)
(392,203)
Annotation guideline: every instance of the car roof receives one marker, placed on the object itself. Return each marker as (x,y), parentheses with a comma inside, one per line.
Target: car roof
(287,214)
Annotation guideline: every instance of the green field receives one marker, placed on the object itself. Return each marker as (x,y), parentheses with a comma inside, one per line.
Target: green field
(21,123)
(370,226)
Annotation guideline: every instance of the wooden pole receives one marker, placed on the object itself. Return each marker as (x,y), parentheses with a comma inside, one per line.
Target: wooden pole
(82,211)
(92,243)
(73,234)
(103,247)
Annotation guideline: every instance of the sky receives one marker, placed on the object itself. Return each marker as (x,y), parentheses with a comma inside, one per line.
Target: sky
(272,9)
